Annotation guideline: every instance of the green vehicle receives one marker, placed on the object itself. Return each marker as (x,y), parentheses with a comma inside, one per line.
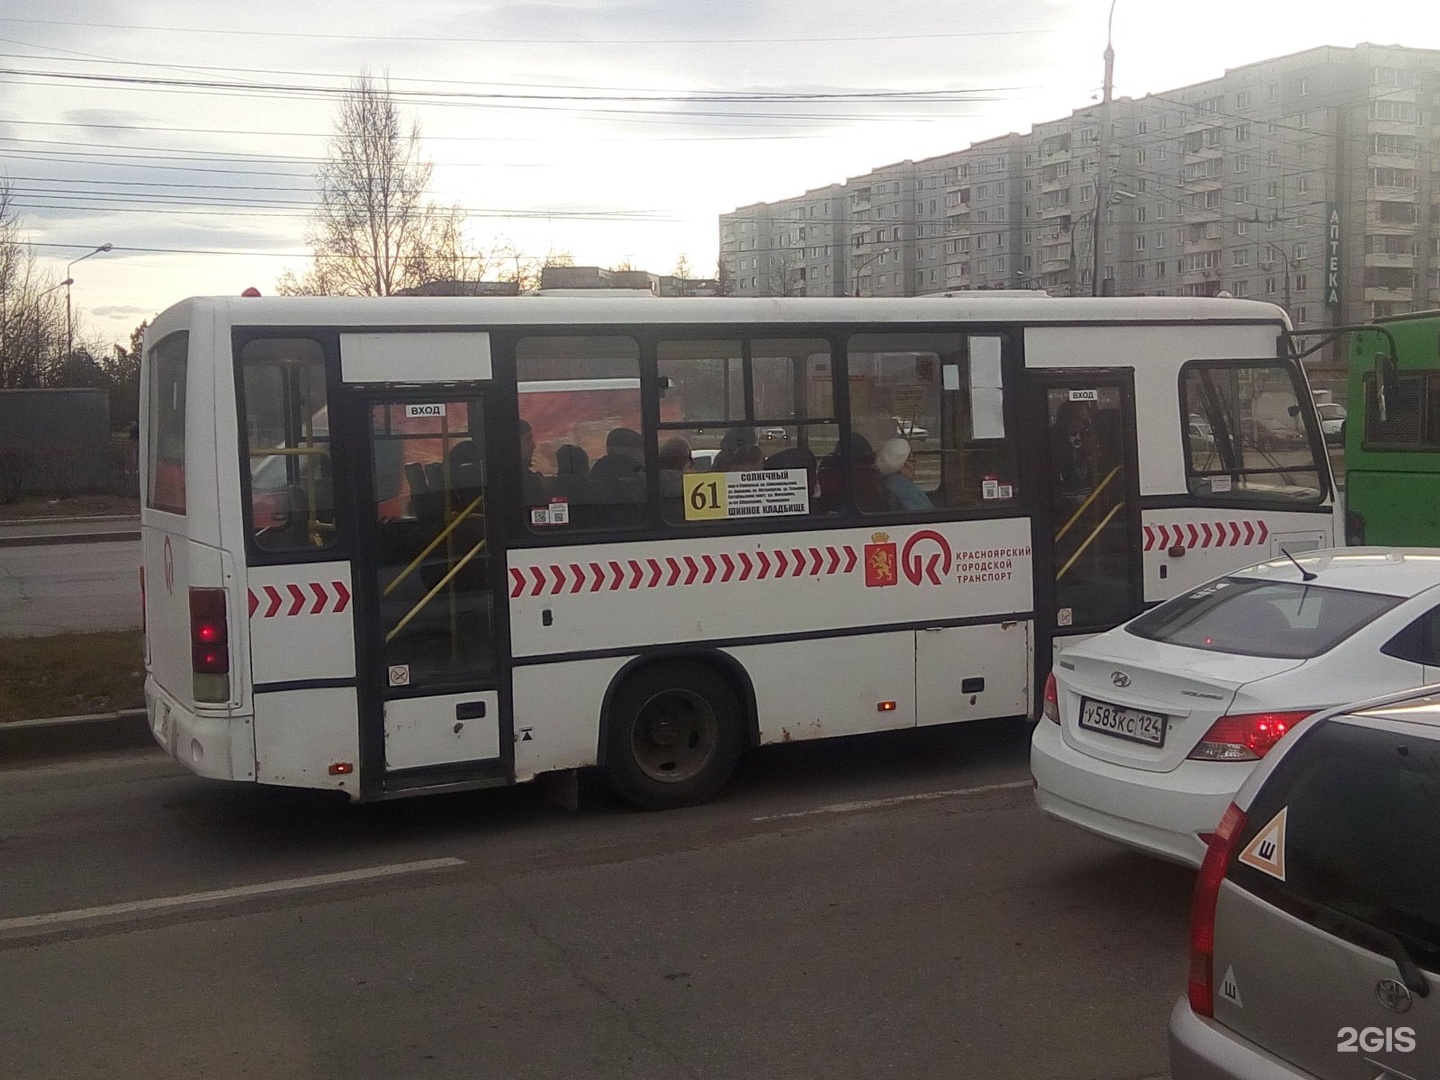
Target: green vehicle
(1392,432)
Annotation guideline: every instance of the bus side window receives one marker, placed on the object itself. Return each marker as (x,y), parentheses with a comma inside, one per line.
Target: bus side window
(579,401)
(743,405)
(292,500)
(943,395)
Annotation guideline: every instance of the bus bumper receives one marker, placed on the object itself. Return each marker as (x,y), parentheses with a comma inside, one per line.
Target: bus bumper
(220,747)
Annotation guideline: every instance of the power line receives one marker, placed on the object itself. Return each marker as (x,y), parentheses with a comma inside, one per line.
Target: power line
(492,40)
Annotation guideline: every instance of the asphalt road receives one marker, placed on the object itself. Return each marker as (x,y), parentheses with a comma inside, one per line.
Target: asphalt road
(885,906)
(51,588)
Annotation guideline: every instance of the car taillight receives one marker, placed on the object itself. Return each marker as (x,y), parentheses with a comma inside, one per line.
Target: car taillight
(1051,708)
(1354,528)
(1201,990)
(1245,736)
(209,644)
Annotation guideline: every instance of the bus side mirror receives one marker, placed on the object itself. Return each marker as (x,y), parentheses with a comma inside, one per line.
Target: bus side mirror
(1384,383)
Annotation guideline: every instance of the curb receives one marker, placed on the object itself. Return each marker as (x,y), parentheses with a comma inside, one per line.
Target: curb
(127,518)
(128,729)
(38,539)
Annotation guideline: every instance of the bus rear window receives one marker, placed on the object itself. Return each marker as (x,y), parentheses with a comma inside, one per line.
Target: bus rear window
(165,476)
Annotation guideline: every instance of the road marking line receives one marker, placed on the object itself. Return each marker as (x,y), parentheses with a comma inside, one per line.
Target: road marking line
(873,804)
(240,892)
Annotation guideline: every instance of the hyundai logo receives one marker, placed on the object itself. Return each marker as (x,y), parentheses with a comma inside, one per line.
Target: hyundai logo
(1119,678)
(1394,995)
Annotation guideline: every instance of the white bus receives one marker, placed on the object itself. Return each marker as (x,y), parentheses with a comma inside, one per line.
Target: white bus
(418,544)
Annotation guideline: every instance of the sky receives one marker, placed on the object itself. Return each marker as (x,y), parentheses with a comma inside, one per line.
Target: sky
(186,133)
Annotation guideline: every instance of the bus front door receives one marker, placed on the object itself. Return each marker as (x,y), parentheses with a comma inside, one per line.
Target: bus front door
(1088,465)
(429,661)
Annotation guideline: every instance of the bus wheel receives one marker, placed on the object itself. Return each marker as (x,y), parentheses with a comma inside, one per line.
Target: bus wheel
(673,736)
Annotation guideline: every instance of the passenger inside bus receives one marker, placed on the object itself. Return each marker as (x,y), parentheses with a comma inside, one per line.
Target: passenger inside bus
(571,460)
(1072,447)
(869,488)
(796,457)
(739,449)
(624,455)
(675,461)
(896,465)
(533,488)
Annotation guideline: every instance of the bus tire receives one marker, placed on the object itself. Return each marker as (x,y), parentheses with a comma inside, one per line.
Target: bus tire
(673,735)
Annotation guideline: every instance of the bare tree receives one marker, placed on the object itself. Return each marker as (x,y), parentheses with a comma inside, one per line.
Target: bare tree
(373,231)
(444,253)
(32,309)
(525,269)
(683,273)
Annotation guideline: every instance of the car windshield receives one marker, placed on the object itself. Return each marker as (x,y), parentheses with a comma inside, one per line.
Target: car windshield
(1238,615)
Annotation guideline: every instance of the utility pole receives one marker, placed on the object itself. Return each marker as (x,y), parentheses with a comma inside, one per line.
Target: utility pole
(1103,166)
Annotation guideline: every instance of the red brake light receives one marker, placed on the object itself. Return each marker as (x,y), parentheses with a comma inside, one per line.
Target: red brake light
(209,632)
(1051,708)
(1245,736)
(1202,911)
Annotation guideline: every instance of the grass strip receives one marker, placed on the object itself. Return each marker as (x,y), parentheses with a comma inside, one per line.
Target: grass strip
(71,674)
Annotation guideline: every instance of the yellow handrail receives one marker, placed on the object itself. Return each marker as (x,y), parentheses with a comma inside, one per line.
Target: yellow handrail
(1086,504)
(435,589)
(1089,539)
(439,537)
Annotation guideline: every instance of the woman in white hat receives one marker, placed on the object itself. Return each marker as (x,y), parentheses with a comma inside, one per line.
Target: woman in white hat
(897,469)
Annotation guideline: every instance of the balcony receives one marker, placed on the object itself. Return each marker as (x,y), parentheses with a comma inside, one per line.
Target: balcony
(1389,259)
(1392,215)
(1375,294)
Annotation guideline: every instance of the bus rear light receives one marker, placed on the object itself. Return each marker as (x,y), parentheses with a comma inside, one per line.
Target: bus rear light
(1245,736)
(209,644)
(1051,708)
(1201,989)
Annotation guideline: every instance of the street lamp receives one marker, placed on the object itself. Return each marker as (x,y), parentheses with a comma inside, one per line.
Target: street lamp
(58,285)
(864,263)
(70,280)
(1102,172)
(1289,267)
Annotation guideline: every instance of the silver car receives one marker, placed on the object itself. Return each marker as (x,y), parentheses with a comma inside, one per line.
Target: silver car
(1315,930)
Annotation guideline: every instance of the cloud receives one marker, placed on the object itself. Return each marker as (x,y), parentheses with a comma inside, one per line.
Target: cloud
(119,312)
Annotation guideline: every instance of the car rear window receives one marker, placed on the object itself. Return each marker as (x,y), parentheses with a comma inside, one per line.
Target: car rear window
(1262,618)
(1361,828)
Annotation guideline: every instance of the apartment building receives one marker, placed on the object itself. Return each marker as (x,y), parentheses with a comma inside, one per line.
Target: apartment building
(1310,180)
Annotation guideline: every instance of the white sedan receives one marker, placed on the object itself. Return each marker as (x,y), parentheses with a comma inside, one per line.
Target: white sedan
(1150,729)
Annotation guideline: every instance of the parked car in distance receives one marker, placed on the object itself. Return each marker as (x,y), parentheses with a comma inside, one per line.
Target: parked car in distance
(908,429)
(1272,434)
(1332,422)
(703,460)
(774,434)
(1148,730)
(1201,434)
(1315,927)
